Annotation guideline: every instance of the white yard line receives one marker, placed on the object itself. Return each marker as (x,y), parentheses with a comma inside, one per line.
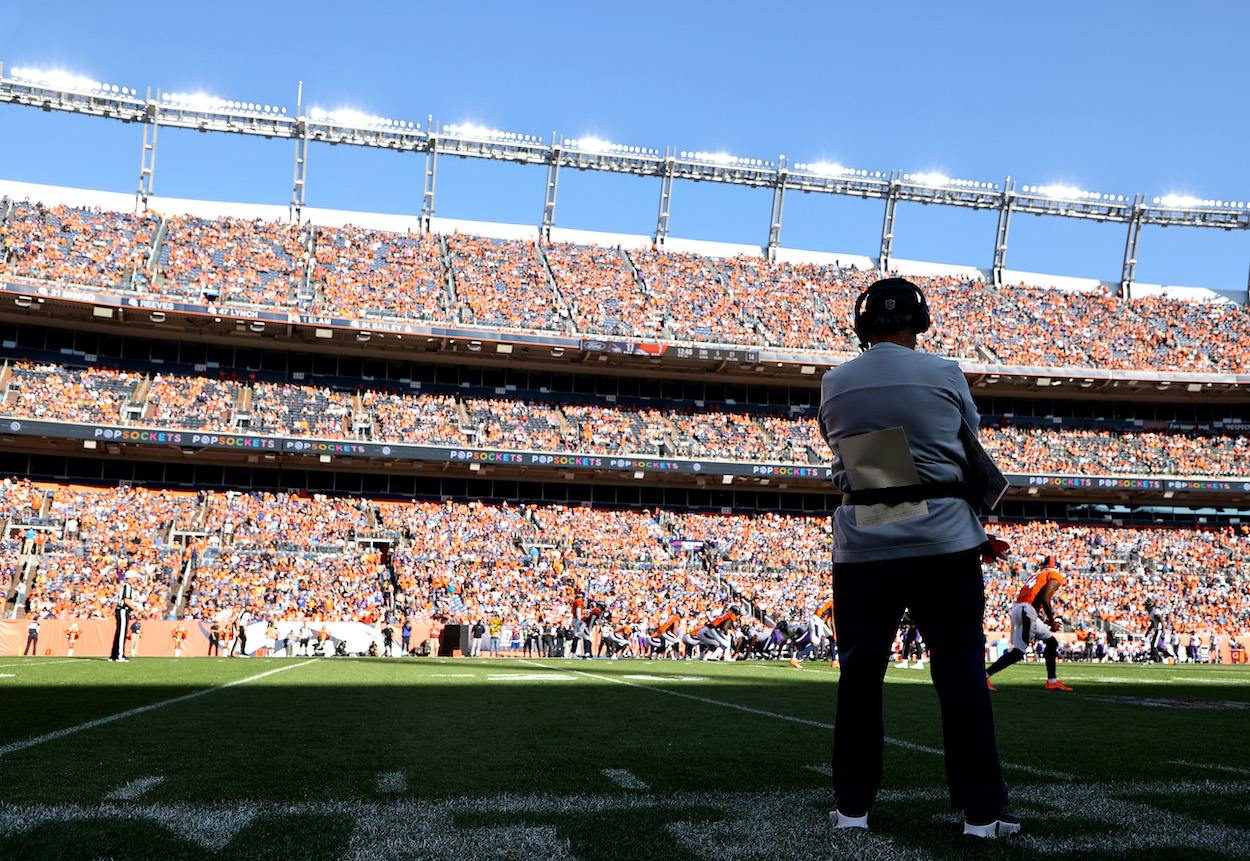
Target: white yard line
(1230,769)
(133,789)
(61,733)
(1057,775)
(623,778)
(44,664)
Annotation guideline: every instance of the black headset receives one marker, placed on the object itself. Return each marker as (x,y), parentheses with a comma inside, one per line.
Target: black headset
(890,285)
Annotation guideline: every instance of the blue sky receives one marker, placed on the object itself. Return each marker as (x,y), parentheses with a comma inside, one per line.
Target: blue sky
(1122,97)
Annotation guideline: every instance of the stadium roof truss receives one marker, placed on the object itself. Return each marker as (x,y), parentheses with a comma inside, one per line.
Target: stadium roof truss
(63,93)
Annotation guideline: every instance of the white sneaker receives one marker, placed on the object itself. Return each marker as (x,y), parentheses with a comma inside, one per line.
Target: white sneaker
(919,665)
(997,824)
(841,820)
(901,665)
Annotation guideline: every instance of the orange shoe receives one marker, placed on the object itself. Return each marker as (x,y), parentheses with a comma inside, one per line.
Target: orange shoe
(1057,685)
(990,684)
(796,663)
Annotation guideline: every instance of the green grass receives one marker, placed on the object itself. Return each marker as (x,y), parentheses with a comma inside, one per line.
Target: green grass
(459,758)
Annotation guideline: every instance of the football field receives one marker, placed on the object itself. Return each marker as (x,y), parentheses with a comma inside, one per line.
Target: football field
(367,758)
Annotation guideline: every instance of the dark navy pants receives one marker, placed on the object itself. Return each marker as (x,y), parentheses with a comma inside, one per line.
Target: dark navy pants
(947,600)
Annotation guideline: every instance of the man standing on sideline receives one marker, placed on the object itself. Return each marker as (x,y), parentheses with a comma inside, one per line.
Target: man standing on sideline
(214,639)
(32,638)
(907,536)
(1036,594)
(126,604)
(476,634)
(238,634)
(136,631)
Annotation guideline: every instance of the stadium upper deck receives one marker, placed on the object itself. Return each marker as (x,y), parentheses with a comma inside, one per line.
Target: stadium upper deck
(366,278)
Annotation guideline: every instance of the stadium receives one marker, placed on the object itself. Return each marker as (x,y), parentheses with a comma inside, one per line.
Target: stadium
(362,422)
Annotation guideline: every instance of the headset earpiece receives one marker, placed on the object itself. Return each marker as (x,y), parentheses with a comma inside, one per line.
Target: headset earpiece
(923,319)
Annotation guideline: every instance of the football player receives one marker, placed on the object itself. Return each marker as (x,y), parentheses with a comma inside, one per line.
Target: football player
(1037,594)
(715,635)
(667,637)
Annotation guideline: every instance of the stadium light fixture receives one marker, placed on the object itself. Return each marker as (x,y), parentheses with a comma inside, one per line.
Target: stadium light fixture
(66,81)
(935,180)
(721,158)
(353,119)
(196,101)
(824,168)
(471,130)
(1067,192)
(1188,202)
(592,144)
(602,147)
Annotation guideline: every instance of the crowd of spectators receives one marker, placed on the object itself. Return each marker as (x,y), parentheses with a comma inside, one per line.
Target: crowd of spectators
(364,273)
(604,291)
(502,283)
(1020,446)
(1099,451)
(617,430)
(694,299)
(77,246)
(95,536)
(286,557)
(799,307)
(196,403)
(280,408)
(601,293)
(57,393)
(233,260)
(290,586)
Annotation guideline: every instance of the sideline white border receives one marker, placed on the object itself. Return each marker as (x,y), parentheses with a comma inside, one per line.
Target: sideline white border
(61,733)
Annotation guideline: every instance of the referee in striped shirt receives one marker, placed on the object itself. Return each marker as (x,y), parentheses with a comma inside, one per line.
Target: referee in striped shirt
(125,604)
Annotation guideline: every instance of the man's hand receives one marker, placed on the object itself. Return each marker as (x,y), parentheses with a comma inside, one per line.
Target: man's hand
(994,550)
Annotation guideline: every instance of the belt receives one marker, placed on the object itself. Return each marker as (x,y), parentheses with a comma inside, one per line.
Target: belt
(908,493)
